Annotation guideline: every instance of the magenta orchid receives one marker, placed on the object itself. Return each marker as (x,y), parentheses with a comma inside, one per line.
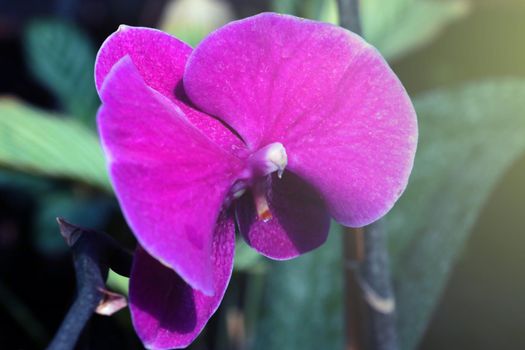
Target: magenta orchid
(274,122)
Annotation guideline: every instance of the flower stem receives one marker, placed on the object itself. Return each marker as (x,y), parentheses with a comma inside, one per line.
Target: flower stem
(93,254)
(349,15)
(376,285)
(354,306)
(369,298)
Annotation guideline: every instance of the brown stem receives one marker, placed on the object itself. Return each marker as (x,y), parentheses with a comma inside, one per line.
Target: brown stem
(353,250)
(369,300)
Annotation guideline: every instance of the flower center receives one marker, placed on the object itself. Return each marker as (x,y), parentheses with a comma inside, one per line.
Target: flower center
(265,161)
(269,159)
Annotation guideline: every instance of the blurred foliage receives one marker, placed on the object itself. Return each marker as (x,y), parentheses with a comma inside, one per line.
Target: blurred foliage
(43,143)
(314,9)
(61,57)
(247,259)
(303,298)
(85,210)
(118,283)
(395,27)
(469,136)
(192,20)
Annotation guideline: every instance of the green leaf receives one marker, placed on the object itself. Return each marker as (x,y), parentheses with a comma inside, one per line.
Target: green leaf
(247,259)
(285,6)
(85,211)
(469,136)
(118,283)
(192,20)
(302,307)
(17,181)
(395,27)
(42,143)
(322,10)
(379,17)
(400,26)
(61,57)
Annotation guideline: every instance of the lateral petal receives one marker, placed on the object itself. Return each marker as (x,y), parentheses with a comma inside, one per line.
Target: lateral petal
(170,179)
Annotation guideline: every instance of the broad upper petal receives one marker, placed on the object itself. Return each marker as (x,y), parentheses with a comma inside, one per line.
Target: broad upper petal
(170,179)
(160,60)
(299,223)
(346,122)
(166,312)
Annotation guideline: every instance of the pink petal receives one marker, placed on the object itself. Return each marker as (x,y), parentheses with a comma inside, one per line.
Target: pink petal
(167,313)
(345,120)
(299,222)
(160,59)
(170,179)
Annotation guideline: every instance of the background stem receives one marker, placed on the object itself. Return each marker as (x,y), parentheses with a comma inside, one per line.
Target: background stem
(369,297)
(376,286)
(353,251)
(349,15)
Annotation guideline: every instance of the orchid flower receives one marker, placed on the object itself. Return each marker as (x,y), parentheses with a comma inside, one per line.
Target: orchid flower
(272,123)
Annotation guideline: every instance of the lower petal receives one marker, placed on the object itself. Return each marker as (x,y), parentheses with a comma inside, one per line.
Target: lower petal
(167,313)
(299,219)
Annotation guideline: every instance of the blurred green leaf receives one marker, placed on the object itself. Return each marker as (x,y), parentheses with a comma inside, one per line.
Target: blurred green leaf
(322,10)
(286,6)
(247,259)
(42,143)
(23,182)
(83,210)
(61,57)
(378,17)
(302,307)
(118,283)
(469,136)
(396,27)
(192,20)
